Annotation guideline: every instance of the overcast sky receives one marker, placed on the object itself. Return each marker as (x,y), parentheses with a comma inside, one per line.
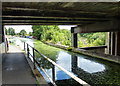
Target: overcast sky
(28,28)
(18,28)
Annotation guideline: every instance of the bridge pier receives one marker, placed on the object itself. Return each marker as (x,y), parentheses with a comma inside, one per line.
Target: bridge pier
(117,43)
(113,43)
(74,38)
(112,38)
(110,42)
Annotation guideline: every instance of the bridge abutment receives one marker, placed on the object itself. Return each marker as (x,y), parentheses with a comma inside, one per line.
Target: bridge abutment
(112,30)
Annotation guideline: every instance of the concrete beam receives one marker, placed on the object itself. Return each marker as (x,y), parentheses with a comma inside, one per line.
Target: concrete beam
(46,21)
(39,23)
(113,25)
(50,13)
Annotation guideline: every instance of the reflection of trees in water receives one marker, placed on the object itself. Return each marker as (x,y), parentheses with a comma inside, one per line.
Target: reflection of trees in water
(45,63)
(50,52)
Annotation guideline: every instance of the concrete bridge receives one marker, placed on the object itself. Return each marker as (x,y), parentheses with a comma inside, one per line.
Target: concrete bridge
(88,16)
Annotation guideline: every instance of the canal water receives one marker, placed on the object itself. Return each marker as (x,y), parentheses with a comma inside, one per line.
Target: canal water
(94,71)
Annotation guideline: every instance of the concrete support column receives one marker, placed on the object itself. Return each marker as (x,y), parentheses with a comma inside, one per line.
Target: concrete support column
(74,38)
(117,44)
(113,43)
(108,43)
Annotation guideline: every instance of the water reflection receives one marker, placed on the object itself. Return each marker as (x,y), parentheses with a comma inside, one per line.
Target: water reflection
(87,65)
(72,63)
(54,72)
(64,60)
(67,60)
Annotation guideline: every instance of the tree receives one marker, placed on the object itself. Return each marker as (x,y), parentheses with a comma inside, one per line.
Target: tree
(30,33)
(11,31)
(39,31)
(23,32)
(52,33)
(6,31)
(92,39)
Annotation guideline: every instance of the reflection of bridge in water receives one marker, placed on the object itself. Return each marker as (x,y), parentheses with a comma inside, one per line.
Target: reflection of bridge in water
(87,72)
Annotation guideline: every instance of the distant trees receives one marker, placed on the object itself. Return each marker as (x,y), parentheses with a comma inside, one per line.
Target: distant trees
(52,33)
(91,39)
(10,31)
(23,32)
(30,33)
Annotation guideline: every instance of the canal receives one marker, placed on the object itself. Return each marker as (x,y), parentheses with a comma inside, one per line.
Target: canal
(94,71)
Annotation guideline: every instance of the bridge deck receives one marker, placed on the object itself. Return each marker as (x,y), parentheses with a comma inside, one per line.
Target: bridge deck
(16,70)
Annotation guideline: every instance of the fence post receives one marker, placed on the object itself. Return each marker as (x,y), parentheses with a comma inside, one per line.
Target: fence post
(34,58)
(24,46)
(27,51)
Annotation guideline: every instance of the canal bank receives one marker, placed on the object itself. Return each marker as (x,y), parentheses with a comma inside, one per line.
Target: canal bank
(92,70)
(107,57)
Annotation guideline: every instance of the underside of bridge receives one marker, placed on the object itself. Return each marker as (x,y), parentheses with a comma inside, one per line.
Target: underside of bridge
(60,13)
(88,16)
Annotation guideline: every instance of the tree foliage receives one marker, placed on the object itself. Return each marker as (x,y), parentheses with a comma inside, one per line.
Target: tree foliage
(30,33)
(23,32)
(91,39)
(52,33)
(10,31)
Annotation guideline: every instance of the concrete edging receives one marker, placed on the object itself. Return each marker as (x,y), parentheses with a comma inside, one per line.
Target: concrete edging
(110,58)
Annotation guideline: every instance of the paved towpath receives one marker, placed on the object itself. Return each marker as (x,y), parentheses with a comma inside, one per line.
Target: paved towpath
(16,70)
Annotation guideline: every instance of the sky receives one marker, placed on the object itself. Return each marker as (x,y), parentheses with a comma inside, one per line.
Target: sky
(28,28)
(66,26)
(18,28)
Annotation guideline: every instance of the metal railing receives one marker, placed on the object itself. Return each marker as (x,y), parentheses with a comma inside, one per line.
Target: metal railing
(36,63)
